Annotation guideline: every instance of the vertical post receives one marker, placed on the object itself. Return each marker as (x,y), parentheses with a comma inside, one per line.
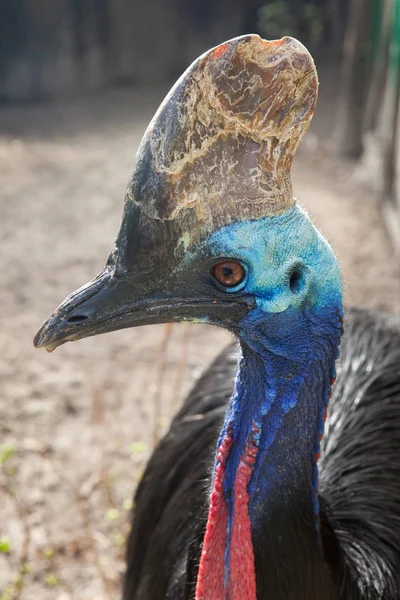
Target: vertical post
(382,22)
(388,131)
(390,110)
(92,41)
(354,80)
(15,61)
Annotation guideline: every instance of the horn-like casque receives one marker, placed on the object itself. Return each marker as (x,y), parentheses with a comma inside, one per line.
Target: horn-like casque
(220,147)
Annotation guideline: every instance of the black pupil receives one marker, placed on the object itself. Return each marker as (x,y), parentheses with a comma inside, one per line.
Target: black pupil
(227,272)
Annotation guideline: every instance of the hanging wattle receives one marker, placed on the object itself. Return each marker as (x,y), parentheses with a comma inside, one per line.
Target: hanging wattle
(227,567)
(211,576)
(242,575)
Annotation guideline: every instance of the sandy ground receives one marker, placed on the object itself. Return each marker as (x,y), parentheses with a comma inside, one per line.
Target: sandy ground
(77,426)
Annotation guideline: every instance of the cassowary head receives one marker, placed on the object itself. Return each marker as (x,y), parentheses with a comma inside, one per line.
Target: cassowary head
(211,232)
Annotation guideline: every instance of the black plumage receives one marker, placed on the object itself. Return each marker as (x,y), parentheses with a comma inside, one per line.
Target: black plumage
(359,479)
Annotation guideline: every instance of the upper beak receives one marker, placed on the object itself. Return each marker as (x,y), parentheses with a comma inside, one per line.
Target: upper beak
(104,304)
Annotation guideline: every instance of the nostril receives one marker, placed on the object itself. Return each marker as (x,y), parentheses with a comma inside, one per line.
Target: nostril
(77,319)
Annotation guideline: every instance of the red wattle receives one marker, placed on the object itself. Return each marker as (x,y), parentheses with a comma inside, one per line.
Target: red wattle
(241,584)
(210,579)
(242,575)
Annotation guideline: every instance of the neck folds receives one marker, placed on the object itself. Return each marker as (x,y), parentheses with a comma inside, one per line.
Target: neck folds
(265,480)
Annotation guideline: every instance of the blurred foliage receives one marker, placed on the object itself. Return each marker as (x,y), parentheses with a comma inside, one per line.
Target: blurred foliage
(138,447)
(5,546)
(127,504)
(6,451)
(48,553)
(51,580)
(113,514)
(275,20)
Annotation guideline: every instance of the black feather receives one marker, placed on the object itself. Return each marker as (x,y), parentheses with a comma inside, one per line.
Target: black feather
(360,463)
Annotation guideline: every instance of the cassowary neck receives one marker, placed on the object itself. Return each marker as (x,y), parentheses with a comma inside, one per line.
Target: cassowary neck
(266,478)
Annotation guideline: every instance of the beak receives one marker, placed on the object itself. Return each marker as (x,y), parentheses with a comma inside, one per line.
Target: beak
(109,303)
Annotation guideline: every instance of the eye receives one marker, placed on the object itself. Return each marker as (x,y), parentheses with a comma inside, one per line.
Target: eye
(229,273)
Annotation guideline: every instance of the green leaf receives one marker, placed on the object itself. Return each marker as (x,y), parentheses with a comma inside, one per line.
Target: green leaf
(5,546)
(119,539)
(138,448)
(6,451)
(6,594)
(51,580)
(48,552)
(127,504)
(112,514)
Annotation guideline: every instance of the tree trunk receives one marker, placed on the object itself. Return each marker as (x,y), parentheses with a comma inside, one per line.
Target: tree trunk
(388,130)
(348,140)
(381,58)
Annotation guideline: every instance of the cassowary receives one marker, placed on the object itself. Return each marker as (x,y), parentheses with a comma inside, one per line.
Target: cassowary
(232,504)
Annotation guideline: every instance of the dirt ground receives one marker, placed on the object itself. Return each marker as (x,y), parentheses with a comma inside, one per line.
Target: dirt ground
(77,425)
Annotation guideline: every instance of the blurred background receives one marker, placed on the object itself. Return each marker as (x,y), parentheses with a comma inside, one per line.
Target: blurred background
(79,81)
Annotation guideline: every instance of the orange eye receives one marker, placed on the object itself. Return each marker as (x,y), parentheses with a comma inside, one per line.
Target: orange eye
(229,273)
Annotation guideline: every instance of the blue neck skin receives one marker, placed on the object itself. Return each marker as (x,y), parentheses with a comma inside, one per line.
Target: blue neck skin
(289,345)
(283,386)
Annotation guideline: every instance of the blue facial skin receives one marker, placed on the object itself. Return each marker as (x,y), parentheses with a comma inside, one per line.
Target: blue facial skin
(289,345)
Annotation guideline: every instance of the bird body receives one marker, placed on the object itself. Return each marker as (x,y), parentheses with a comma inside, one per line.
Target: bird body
(359,486)
(240,501)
